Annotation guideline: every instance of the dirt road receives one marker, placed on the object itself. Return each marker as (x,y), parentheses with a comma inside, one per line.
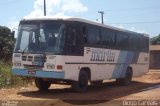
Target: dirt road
(146,87)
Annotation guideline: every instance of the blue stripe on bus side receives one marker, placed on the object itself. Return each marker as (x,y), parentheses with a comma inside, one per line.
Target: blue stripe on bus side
(128,61)
(120,69)
(39,73)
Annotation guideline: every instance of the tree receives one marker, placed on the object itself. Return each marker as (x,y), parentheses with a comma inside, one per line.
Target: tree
(155,40)
(6,41)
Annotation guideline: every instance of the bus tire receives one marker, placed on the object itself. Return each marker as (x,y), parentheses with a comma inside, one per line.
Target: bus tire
(82,84)
(42,85)
(99,82)
(128,78)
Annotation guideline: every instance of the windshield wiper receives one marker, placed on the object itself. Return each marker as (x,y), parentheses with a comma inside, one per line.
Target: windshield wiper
(25,49)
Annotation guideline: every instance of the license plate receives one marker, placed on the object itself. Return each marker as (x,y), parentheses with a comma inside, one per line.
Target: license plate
(35,63)
(31,72)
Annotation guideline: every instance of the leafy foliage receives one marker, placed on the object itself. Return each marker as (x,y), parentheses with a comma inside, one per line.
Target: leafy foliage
(6,41)
(7,79)
(155,40)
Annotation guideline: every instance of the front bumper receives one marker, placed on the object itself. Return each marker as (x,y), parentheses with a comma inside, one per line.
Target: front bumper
(38,73)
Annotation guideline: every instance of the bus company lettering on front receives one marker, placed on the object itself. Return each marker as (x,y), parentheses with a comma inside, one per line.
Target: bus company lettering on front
(102,55)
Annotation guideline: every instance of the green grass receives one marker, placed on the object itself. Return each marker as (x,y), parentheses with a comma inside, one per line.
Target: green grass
(7,79)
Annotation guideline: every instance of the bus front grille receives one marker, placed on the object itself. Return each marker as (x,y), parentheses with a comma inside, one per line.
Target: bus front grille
(38,58)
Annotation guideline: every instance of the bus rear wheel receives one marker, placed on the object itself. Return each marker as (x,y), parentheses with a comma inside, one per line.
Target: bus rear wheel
(42,85)
(82,83)
(128,78)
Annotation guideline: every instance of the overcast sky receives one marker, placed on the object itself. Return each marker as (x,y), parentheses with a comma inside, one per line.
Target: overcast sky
(137,15)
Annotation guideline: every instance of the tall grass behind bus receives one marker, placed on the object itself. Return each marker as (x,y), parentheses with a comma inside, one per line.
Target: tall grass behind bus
(77,51)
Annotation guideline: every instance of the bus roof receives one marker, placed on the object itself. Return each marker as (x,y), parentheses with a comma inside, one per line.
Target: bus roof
(83,21)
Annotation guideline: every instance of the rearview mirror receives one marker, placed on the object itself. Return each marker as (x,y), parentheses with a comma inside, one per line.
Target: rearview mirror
(13,33)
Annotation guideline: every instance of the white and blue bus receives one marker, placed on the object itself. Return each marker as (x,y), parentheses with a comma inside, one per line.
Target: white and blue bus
(77,51)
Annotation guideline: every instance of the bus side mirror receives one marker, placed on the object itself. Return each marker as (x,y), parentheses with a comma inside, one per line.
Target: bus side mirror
(13,34)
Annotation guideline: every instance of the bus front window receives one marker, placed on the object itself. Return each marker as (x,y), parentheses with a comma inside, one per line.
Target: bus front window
(41,38)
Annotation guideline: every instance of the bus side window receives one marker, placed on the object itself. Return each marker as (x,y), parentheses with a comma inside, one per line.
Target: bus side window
(74,44)
(71,37)
(84,34)
(122,41)
(144,42)
(108,38)
(93,35)
(134,43)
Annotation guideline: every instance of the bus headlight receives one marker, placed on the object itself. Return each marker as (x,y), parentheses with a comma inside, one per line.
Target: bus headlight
(17,64)
(49,66)
(17,55)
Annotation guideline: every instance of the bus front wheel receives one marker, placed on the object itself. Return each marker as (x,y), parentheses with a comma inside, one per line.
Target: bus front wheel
(41,84)
(128,78)
(82,83)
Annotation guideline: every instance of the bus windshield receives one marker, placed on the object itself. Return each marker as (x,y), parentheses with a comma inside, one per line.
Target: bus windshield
(41,38)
